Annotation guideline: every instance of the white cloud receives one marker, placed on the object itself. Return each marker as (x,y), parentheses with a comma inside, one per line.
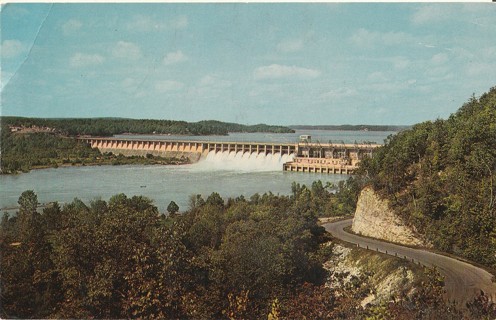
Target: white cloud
(214,81)
(338,93)
(400,63)
(168,86)
(17,12)
(129,83)
(143,23)
(5,78)
(174,57)
(211,86)
(276,71)
(85,60)
(127,50)
(12,48)
(180,22)
(71,26)
(288,46)
(439,58)
(377,77)
(477,14)
(365,38)
(390,87)
(488,53)
(480,69)
(431,13)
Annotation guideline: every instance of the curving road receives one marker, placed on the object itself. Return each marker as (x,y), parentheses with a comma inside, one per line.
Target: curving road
(463,281)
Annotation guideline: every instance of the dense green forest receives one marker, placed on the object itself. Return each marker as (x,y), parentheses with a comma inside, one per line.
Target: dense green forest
(440,176)
(23,152)
(113,126)
(237,259)
(350,127)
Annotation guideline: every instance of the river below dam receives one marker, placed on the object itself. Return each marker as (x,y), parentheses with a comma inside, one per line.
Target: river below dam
(228,174)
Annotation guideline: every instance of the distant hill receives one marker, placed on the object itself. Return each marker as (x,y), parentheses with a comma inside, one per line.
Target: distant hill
(441,178)
(349,127)
(113,126)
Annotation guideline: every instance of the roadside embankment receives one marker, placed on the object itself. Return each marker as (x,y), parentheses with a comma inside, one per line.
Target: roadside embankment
(379,277)
(463,281)
(373,218)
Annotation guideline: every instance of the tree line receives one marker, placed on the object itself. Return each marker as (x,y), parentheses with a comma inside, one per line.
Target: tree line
(23,152)
(440,177)
(112,126)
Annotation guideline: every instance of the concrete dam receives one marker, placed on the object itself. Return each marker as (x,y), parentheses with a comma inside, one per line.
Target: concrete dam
(303,156)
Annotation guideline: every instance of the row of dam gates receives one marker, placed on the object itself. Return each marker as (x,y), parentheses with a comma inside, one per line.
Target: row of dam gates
(307,156)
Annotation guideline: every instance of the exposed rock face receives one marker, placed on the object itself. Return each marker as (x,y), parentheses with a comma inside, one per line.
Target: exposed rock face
(374,218)
(370,270)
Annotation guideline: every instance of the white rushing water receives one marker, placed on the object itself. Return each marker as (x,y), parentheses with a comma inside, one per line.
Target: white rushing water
(239,161)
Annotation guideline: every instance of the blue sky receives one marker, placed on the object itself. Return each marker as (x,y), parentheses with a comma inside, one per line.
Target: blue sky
(372,63)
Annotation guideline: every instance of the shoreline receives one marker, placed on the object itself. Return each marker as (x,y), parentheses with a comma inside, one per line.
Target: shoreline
(95,164)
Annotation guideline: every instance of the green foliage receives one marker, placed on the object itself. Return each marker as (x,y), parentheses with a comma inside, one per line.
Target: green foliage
(244,259)
(328,200)
(113,126)
(215,200)
(172,208)
(251,252)
(28,201)
(441,178)
(22,152)
(121,259)
(105,260)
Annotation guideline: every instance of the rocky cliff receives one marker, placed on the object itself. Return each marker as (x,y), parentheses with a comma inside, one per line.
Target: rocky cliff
(374,218)
(380,276)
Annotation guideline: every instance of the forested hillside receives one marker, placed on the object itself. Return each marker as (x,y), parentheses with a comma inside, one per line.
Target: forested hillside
(23,152)
(440,177)
(112,126)
(257,258)
(121,258)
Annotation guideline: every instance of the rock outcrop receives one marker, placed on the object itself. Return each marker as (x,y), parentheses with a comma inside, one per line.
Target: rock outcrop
(382,275)
(374,218)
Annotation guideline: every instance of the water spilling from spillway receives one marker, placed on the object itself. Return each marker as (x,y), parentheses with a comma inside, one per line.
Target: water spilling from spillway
(239,161)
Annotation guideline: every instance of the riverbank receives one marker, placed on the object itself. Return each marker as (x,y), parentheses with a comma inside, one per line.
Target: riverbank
(108,159)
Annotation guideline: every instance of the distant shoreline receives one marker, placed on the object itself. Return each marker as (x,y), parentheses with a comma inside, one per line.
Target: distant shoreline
(346,127)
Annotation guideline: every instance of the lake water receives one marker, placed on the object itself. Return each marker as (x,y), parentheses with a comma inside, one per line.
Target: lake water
(227,174)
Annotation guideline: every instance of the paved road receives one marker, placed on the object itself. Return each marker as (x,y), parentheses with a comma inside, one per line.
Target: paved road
(463,281)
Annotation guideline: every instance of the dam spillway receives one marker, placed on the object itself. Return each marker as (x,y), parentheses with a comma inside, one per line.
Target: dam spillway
(303,156)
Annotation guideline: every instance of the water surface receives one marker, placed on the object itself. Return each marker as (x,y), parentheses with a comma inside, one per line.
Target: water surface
(160,183)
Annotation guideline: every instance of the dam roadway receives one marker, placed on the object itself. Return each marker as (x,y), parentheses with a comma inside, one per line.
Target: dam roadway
(463,281)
